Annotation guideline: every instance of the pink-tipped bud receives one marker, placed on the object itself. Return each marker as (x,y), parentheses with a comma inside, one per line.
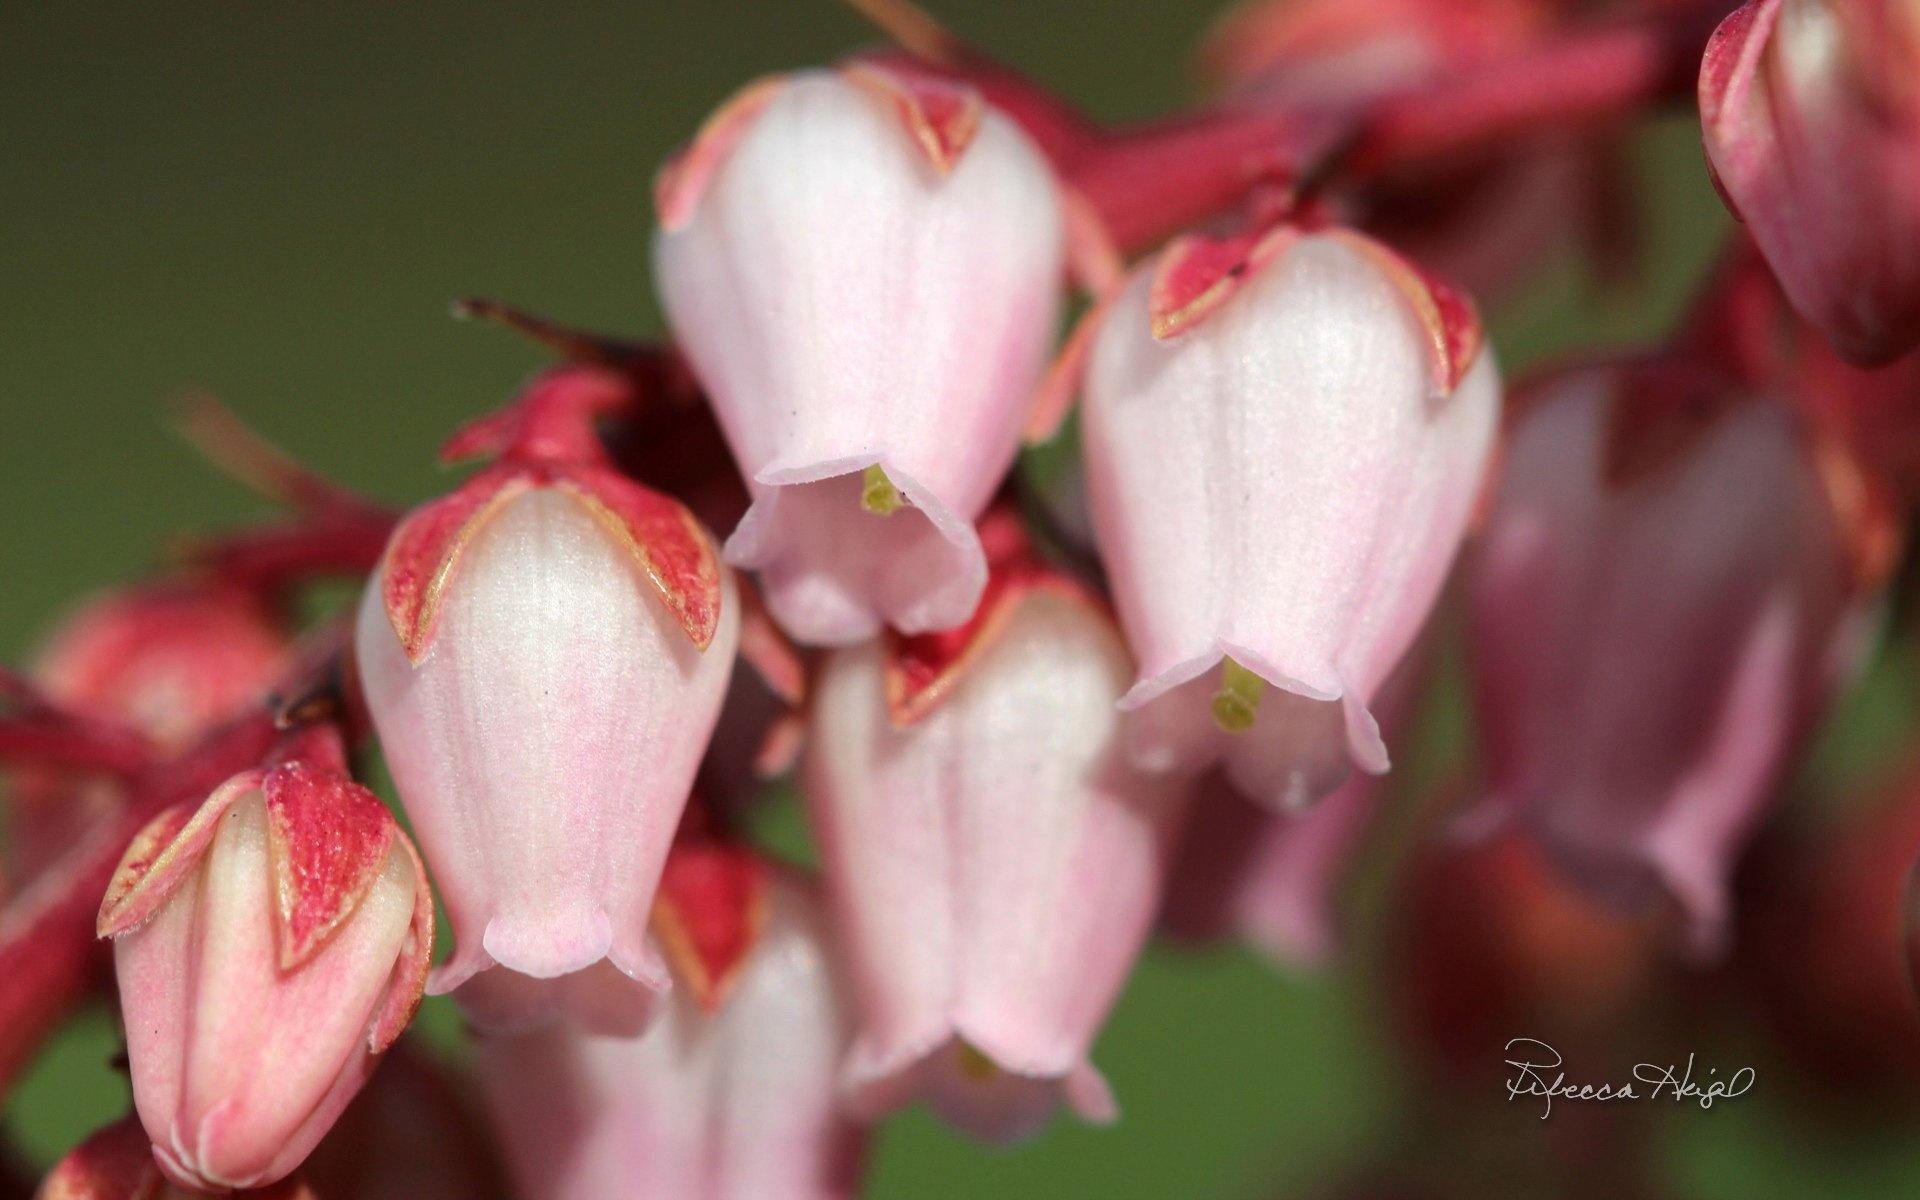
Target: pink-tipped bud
(544,653)
(269,945)
(1811,110)
(993,861)
(731,1096)
(1285,434)
(117,1164)
(1662,604)
(864,269)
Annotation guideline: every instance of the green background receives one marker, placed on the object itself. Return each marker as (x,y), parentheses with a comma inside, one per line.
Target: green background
(277,203)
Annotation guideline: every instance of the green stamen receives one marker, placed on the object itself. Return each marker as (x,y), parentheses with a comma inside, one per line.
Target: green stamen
(1238,700)
(877,493)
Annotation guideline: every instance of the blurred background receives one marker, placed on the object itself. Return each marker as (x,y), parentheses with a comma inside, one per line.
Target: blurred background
(276,203)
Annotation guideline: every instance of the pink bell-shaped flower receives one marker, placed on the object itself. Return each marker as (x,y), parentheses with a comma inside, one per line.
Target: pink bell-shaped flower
(270,943)
(1811,110)
(1663,601)
(1285,434)
(864,269)
(993,860)
(544,652)
(730,1096)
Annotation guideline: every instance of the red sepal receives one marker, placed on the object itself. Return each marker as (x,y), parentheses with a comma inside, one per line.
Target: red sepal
(1061,385)
(1198,272)
(711,907)
(329,839)
(550,421)
(408,984)
(662,536)
(1094,261)
(1451,321)
(765,647)
(678,186)
(923,669)
(1730,62)
(162,856)
(117,1164)
(780,749)
(47,954)
(942,115)
(421,558)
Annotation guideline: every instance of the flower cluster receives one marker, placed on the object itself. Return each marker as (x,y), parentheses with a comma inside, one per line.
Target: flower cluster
(1029,719)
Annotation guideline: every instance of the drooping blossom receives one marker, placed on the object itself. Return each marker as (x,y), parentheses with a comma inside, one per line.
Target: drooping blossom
(1285,433)
(730,1096)
(864,269)
(1811,110)
(544,652)
(270,943)
(992,858)
(1663,602)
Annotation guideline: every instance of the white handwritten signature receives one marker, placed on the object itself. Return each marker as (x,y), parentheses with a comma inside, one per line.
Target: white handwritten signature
(1537,1073)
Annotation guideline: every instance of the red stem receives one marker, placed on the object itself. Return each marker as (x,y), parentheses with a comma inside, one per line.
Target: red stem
(1581,78)
(345,543)
(1150,181)
(1153,180)
(42,733)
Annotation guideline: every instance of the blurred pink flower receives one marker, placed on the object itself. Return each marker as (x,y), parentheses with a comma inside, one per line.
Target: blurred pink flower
(1661,607)
(1811,110)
